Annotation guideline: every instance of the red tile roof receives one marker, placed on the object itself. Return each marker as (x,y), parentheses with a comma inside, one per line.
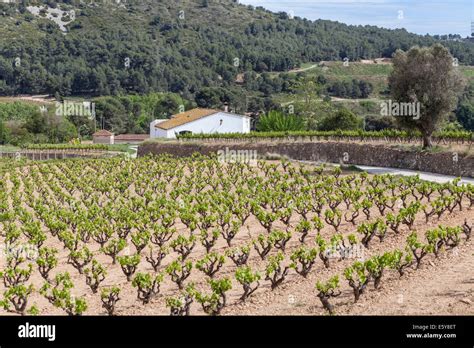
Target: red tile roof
(102,133)
(186,117)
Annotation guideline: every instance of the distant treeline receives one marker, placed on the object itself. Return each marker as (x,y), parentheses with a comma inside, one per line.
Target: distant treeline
(24,123)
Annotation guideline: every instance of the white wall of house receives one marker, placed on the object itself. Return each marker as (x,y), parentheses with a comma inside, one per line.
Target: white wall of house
(221,122)
(157,132)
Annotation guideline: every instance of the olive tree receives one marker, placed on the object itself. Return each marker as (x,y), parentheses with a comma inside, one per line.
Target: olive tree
(427,77)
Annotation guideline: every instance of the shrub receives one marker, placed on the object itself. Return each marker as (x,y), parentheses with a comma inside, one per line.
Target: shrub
(181,305)
(276,121)
(239,255)
(18,297)
(109,298)
(129,265)
(274,271)
(342,120)
(147,286)
(95,275)
(59,295)
(358,278)
(303,260)
(327,291)
(214,303)
(210,264)
(246,277)
(179,271)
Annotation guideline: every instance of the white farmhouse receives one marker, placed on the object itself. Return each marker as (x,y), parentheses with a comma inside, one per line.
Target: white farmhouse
(197,121)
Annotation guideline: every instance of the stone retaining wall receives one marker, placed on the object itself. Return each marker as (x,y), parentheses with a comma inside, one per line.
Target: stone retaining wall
(333,152)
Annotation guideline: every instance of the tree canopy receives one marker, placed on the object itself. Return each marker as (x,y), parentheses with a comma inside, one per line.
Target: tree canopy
(428,78)
(176,46)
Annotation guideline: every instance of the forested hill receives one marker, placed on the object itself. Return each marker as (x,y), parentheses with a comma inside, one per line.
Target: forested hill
(180,46)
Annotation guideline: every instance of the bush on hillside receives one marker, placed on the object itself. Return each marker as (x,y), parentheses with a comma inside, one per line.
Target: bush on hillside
(341,120)
(276,121)
(378,123)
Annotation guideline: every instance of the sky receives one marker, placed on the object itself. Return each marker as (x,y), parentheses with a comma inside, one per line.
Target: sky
(417,16)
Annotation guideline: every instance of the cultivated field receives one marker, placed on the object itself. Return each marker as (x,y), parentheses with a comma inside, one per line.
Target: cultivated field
(193,236)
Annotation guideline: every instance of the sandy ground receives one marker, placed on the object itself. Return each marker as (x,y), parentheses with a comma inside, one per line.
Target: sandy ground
(441,286)
(445,287)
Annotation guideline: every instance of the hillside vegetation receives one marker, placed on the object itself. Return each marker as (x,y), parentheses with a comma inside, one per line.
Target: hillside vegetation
(177,46)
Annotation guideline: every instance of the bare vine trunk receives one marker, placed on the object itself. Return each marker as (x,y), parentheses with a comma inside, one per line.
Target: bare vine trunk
(427,141)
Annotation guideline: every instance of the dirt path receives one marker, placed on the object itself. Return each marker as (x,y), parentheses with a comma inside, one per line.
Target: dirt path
(439,178)
(303,69)
(336,99)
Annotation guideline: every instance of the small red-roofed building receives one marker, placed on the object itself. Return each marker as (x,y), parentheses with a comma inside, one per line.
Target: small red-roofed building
(103,137)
